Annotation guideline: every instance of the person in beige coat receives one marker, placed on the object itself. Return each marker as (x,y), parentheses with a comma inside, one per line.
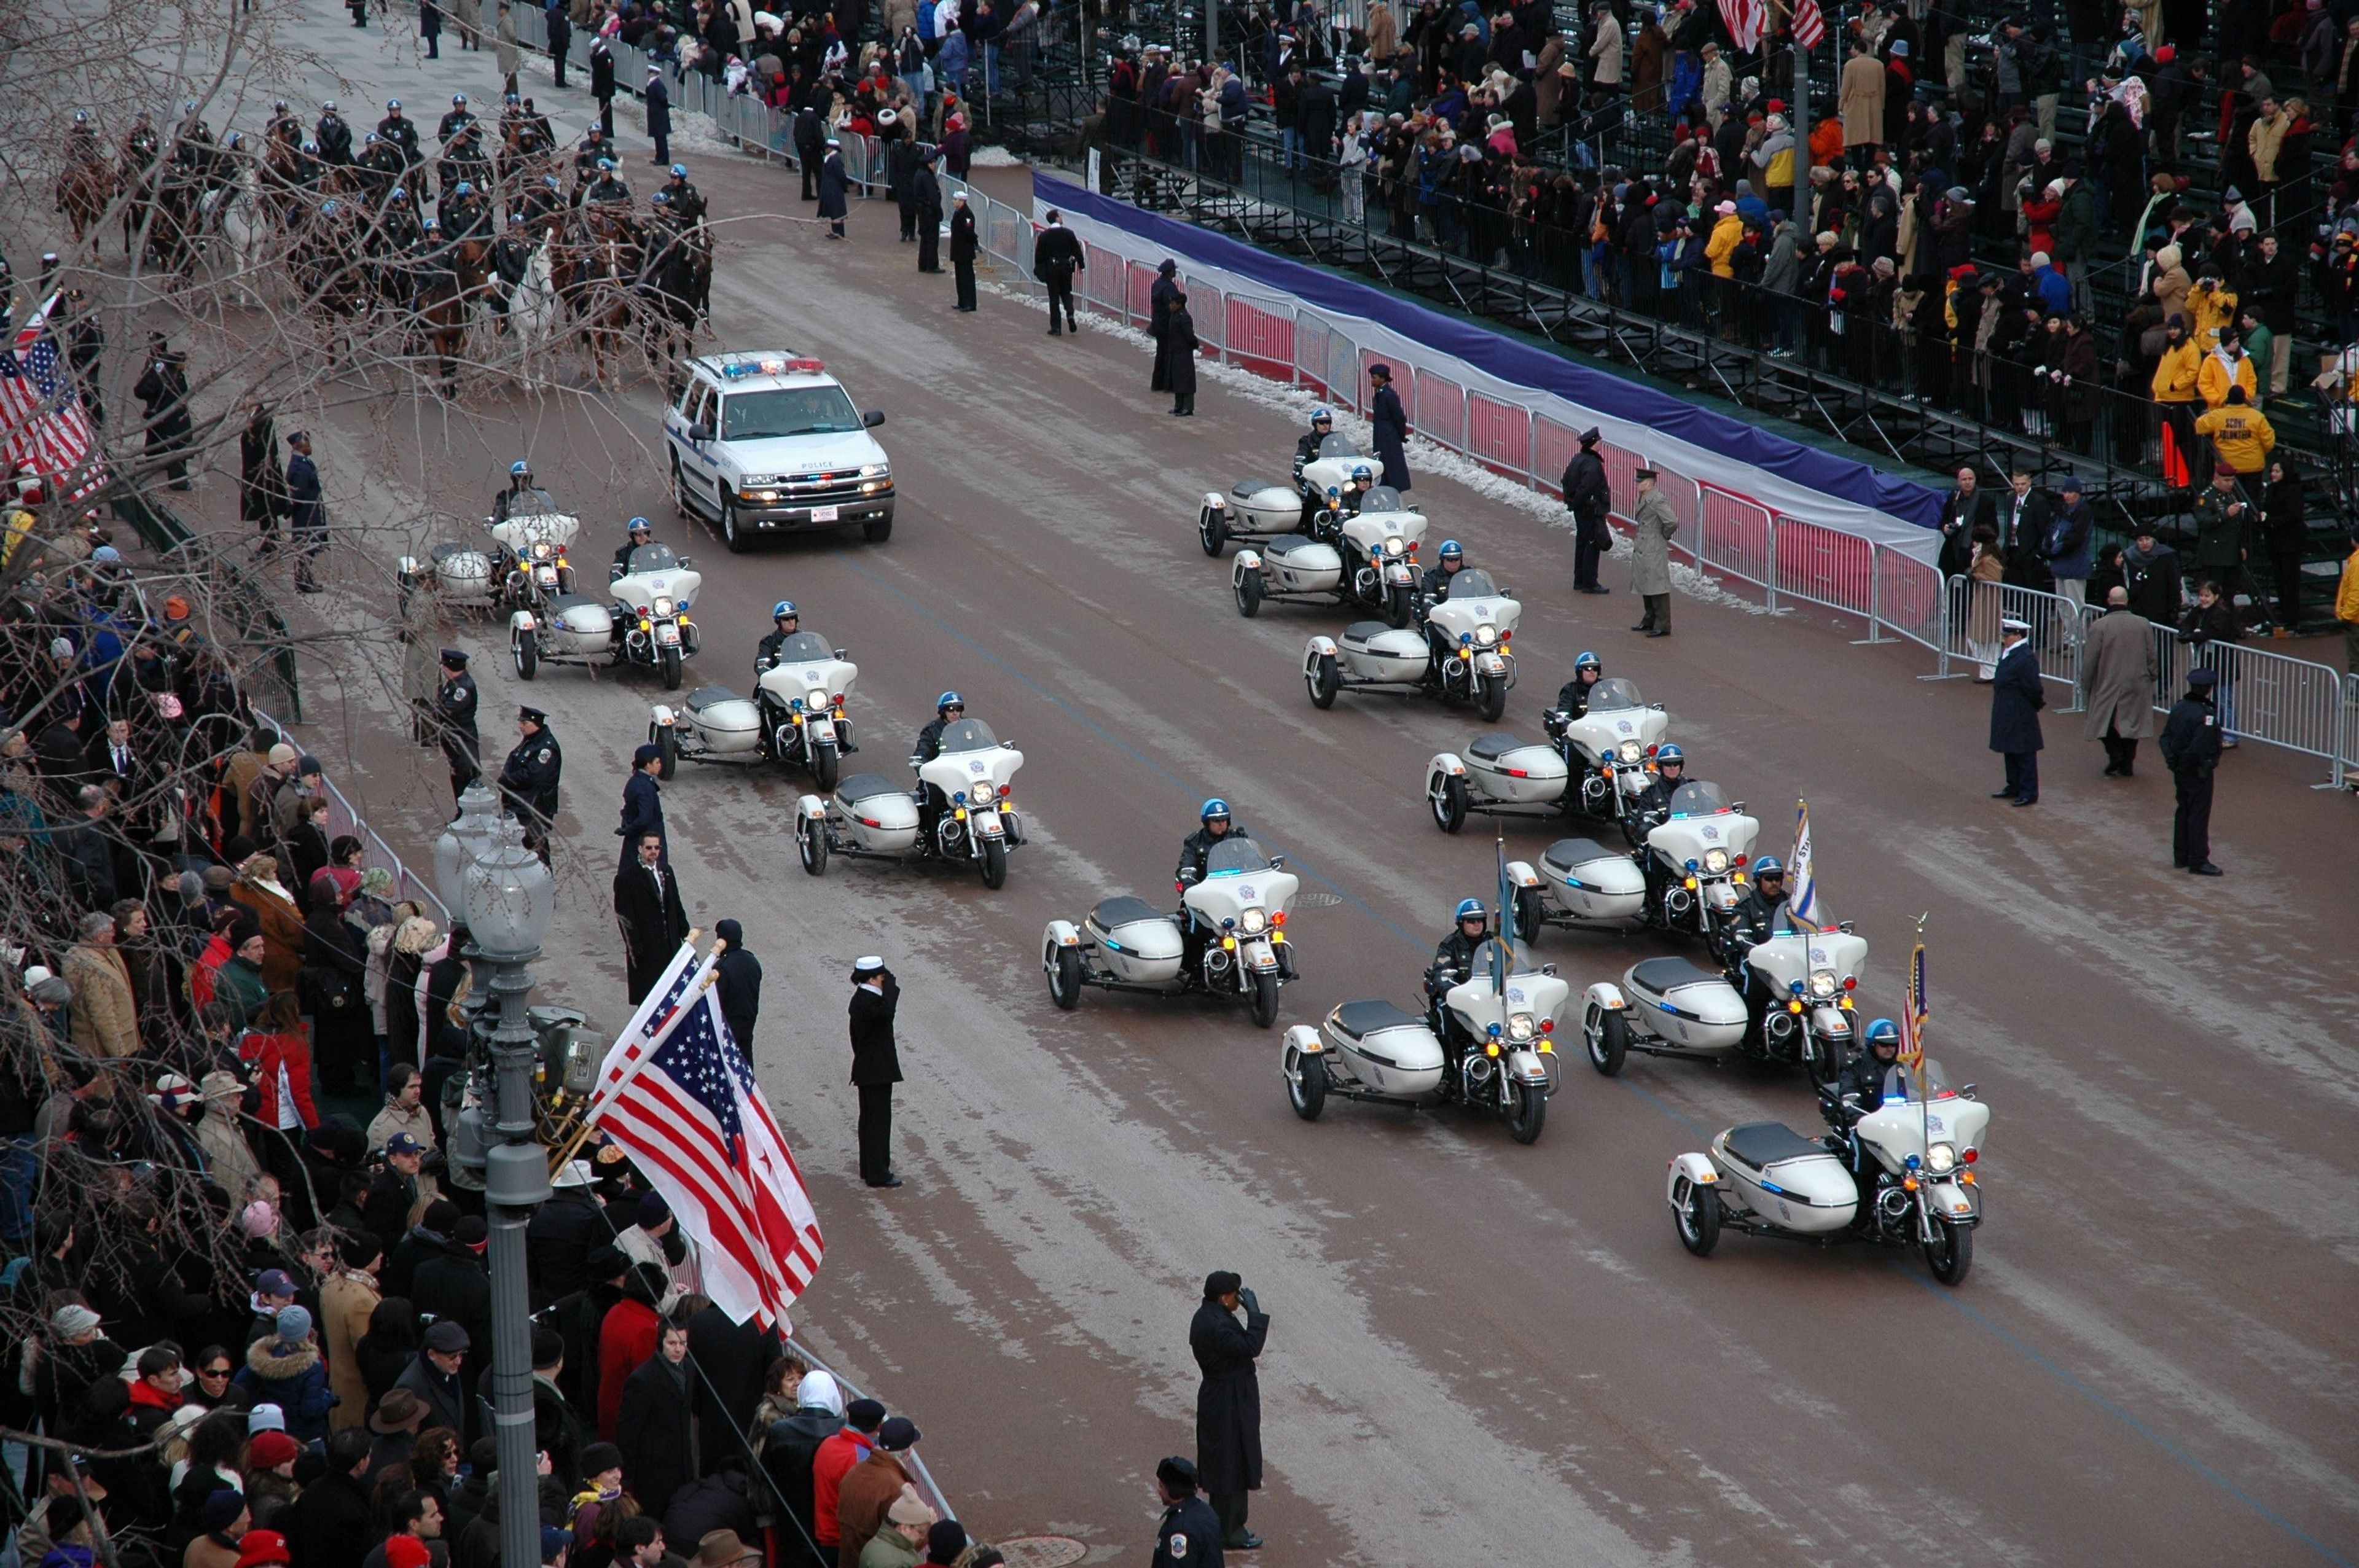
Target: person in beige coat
(1862,104)
(509,55)
(106,1019)
(1606,52)
(1384,33)
(2118,662)
(467,19)
(346,1301)
(1653,524)
(1548,81)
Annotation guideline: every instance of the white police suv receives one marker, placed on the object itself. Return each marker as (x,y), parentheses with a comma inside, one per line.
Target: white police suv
(764,442)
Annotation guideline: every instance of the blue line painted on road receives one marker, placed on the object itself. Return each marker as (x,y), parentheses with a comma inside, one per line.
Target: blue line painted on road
(2259,1508)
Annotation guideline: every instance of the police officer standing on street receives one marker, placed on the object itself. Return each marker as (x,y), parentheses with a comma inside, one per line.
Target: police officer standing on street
(1228,1401)
(2191,749)
(1188,1533)
(642,804)
(1587,497)
(305,515)
(529,779)
(454,722)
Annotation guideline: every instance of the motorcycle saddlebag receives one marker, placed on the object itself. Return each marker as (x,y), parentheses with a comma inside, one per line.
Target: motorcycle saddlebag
(1139,942)
(1383,651)
(581,625)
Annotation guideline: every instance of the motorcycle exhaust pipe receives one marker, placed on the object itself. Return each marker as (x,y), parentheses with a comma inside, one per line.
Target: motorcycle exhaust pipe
(1678,902)
(1593,789)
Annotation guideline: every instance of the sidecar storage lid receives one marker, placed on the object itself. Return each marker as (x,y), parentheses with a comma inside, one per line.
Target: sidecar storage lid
(706,697)
(1360,1018)
(1663,976)
(865,786)
(1124,910)
(1247,489)
(1761,1145)
(1570,852)
(1496,744)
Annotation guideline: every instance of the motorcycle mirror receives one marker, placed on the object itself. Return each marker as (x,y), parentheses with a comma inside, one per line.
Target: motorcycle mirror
(1843,926)
(615,571)
(688,560)
(1966,1093)
(873,417)
(1007,745)
(916,761)
(842,653)
(1277,862)
(1548,969)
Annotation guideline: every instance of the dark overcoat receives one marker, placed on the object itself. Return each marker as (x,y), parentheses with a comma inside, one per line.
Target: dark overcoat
(1228,1401)
(2015,701)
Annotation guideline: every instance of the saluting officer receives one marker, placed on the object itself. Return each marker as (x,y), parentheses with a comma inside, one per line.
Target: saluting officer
(527,780)
(1189,1534)
(454,721)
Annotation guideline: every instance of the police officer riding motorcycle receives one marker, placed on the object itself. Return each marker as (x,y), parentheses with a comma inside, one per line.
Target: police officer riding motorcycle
(787,621)
(1573,696)
(521,486)
(1861,1082)
(1650,808)
(641,533)
(1214,825)
(1306,450)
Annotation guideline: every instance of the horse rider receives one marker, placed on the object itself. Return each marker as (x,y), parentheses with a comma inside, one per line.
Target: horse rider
(465,214)
(511,259)
(333,137)
(687,201)
(456,120)
(608,188)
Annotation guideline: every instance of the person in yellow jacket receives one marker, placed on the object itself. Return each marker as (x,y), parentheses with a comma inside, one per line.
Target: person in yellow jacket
(2175,376)
(2347,606)
(2211,306)
(2241,433)
(2226,365)
(1727,233)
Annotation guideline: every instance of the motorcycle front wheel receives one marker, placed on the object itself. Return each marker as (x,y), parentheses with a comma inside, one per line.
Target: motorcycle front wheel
(994,862)
(1265,999)
(825,767)
(1951,1253)
(1490,698)
(1400,605)
(1527,1113)
(668,659)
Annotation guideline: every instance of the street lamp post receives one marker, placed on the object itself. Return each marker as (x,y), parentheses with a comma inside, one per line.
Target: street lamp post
(506,897)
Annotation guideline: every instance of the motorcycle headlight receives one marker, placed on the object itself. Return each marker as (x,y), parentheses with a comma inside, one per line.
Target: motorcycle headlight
(1521,1027)
(1822,982)
(1630,751)
(1715,861)
(1394,547)
(1485,636)
(664,606)
(1940,1157)
(1253,921)
(540,549)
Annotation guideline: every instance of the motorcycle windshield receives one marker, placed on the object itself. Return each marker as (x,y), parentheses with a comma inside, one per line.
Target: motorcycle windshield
(1900,1083)
(1235,857)
(653,558)
(1474,582)
(966,735)
(1336,447)
(1607,695)
(807,648)
(1383,498)
(1698,797)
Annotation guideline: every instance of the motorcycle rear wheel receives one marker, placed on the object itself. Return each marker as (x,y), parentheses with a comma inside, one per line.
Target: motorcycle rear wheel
(1951,1254)
(1528,1115)
(1697,1219)
(1265,999)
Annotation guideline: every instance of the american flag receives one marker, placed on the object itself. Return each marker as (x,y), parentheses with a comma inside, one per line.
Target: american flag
(1913,1014)
(42,424)
(678,1096)
(1810,27)
(1745,19)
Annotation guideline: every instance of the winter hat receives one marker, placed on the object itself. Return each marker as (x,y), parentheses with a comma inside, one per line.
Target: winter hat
(653,1210)
(266,1417)
(270,1450)
(294,1325)
(257,1547)
(72,1322)
(818,1391)
(222,1508)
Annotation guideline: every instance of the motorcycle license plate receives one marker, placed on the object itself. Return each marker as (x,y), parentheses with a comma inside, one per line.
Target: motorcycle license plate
(826,513)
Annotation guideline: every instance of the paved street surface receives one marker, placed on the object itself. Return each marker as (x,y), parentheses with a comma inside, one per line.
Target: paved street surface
(1481,1353)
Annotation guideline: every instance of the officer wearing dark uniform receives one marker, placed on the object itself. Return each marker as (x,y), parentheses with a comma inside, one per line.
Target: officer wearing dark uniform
(1188,1533)
(1435,584)
(458,117)
(606,188)
(399,130)
(687,201)
(2190,749)
(642,804)
(1573,696)
(333,137)
(1864,1076)
(511,259)
(642,533)
(454,721)
(1762,913)
(787,621)
(283,126)
(1652,805)
(465,214)
(948,708)
(1587,497)
(529,779)
(307,518)
(1453,960)
(519,486)
(1214,826)
(1306,450)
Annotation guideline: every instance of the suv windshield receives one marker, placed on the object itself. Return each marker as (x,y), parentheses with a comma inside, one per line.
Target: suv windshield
(1698,797)
(1233,854)
(1338,446)
(787,411)
(1609,694)
(966,735)
(804,648)
(653,558)
(1474,582)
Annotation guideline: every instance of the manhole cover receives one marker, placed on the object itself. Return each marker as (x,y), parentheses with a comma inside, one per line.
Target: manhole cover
(1042,1551)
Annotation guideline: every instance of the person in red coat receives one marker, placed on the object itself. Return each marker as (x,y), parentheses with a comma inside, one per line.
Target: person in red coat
(281,1063)
(625,1340)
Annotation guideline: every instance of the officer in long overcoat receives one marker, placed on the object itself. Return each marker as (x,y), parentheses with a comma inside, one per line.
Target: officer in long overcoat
(2015,701)
(1652,525)
(1228,1401)
(1390,421)
(1158,317)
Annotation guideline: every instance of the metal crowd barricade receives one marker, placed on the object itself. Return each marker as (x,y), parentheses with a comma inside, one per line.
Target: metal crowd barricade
(1208,307)
(1312,359)
(1737,538)
(1823,566)
(1554,446)
(343,817)
(1970,630)
(1907,598)
(1499,435)
(1344,368)
(1439,410)
(2298,704)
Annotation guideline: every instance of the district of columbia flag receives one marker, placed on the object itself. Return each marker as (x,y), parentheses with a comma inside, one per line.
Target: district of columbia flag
(1803,903)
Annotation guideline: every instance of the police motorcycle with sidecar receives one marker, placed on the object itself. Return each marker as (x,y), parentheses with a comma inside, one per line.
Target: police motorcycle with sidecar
(532,563)
(1365,557)
(1257,509)
(1234,917)
(1483,1043)
(961,811)
(794,719)
(1460,650)
(1899,1174)
(647,624)
(1597,765)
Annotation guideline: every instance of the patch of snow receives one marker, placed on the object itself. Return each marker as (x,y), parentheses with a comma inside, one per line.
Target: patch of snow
(994,157)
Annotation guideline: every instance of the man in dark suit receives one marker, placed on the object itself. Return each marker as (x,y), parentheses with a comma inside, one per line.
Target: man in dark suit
(648,907)
(1056,257)
(875,1066)
(1588,498)
(2015,701)
(642,803)
(2023,517)
(1969,507)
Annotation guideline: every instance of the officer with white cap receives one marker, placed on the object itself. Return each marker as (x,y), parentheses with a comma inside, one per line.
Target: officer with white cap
(2015,701)
(876,1066)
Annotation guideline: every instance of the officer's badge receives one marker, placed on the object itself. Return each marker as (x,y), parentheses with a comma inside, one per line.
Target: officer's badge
(1178,1544)
(543,758)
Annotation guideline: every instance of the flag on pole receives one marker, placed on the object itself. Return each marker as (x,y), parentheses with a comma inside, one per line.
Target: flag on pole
(1803,903)
(678,1096)
(1810,27)
(1744,20)
(42,423)
(1504,950)
(1913,1013)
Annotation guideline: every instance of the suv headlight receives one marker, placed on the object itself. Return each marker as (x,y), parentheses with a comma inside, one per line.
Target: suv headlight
(664,606)
(1630,751)
(1394,547)
(1715,860)
(875,470)
(1940,1157)
(1253,921)
(1822,982)
(1521,1027)
(1485,636)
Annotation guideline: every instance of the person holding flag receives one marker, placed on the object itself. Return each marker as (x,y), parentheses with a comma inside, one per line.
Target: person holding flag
(43,428)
